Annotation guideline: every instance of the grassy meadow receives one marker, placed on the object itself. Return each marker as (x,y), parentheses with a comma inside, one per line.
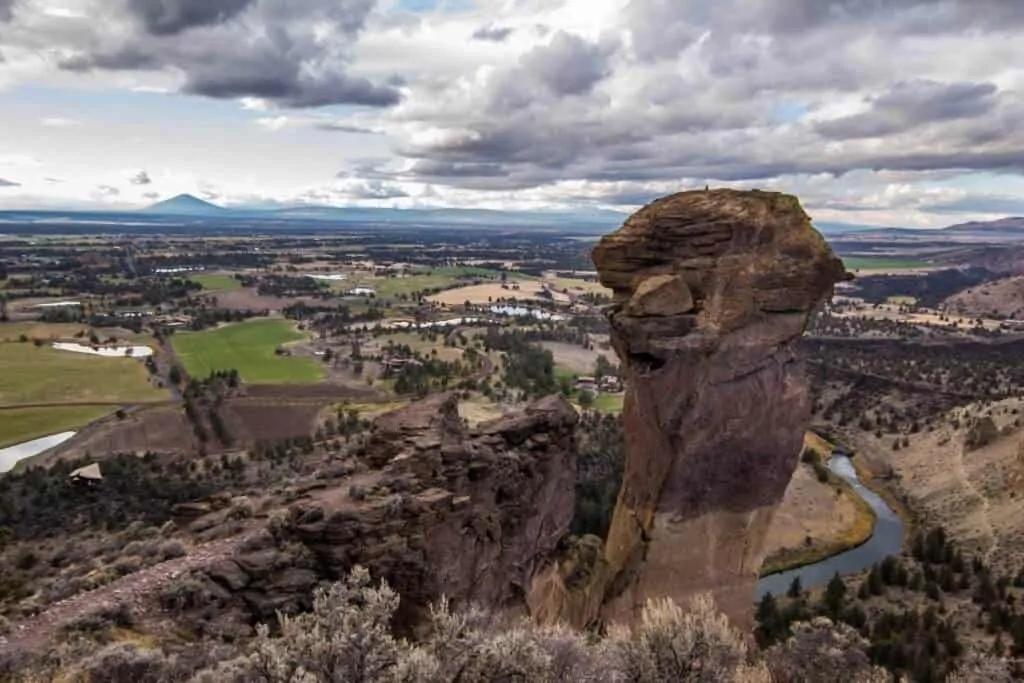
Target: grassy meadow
(25,424)
(40,374)
(217,282)
(249,348)
(865,263)
(417,281)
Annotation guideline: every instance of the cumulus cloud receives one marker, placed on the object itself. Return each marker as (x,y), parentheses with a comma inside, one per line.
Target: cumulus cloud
(168,17)
(859,105)
(907,105)
(140,178)
(293,54)
(494,34)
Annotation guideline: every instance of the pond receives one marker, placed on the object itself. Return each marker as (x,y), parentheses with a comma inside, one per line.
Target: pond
(887,539)
(106,351)
(520,311)
(12,455)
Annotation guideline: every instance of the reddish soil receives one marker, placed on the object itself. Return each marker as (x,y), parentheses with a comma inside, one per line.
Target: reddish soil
(159,429)
(326,391)
(251,421)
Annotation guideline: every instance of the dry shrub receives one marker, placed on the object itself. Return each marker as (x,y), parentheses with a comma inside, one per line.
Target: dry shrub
(348,637)
(835,653)
(122,663)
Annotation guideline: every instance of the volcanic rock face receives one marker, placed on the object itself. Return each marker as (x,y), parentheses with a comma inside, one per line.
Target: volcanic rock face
(442,510)
(712,290)
(468,514)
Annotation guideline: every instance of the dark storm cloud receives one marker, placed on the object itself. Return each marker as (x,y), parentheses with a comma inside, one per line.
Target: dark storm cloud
(6,10)
(8,183)
(494,34)
(140,178)
(284,84)
(910,104)
(447,169)
(294,54)
(569,65)
(168,17)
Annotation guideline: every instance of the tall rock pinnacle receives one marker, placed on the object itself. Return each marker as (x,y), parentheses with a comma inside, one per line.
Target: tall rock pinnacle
(711,291)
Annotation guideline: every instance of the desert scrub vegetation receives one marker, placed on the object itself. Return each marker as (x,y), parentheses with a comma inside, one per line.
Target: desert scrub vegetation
(39,572)
(347,637)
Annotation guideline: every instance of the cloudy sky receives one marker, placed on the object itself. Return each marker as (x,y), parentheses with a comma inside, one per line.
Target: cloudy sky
(882,112)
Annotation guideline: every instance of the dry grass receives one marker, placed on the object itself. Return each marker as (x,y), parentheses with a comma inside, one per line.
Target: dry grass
(831,515)
(1002,297)
(976,495)
(579,360)
(577,286)
(528,290)
(477,411)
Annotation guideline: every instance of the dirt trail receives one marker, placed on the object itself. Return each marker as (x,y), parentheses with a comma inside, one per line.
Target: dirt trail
(37,632)
(973,491)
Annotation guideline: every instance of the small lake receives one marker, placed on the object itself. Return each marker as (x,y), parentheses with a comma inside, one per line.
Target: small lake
(12,455)
(106,351)
(333,276)
(886,540)
(520,311)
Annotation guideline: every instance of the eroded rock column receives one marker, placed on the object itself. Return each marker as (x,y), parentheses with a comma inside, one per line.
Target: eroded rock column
(712,291)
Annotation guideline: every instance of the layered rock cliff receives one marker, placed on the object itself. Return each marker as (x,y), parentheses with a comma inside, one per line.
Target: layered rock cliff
(441,510)
(711,291)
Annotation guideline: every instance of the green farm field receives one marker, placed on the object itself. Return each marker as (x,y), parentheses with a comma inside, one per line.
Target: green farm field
(40,374)
(418,281)
(855,263)
(249,348)
(25,424)
(217,283)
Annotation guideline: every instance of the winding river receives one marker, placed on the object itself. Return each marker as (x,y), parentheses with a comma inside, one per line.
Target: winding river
(886,540)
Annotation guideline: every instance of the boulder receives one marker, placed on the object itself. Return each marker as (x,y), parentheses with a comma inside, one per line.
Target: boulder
(712,291)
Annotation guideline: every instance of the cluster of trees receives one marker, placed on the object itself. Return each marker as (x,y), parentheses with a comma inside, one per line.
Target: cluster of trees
(204,401)
(900,608)
(43,502)
(333,320)
(527,367)
(600,460)
(205,316)
(929,289)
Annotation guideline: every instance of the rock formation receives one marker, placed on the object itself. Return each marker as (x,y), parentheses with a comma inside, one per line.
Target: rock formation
(712,290)
(470,514)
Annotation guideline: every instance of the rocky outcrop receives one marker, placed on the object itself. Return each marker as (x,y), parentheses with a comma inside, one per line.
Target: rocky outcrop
(980,432)
(712,289)
(470,514)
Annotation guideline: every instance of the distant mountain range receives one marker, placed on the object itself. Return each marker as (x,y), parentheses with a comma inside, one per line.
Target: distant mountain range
(188,205)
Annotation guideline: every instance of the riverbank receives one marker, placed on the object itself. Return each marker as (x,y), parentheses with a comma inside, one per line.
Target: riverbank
(871,480)
(869,472)
(818,519)
(851,537)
